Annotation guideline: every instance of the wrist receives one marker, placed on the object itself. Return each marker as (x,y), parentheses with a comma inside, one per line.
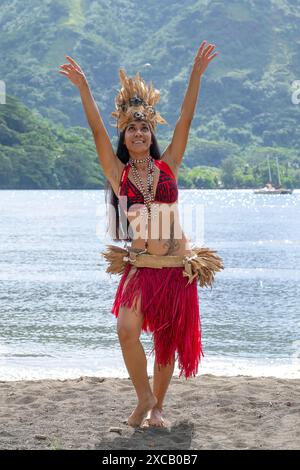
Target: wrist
(196,71)
(83,84)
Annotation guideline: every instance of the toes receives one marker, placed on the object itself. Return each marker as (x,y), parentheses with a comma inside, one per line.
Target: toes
(148,422)
(145,423)
(155,424)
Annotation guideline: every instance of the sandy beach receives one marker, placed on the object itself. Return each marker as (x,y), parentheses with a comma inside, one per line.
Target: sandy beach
(205,412)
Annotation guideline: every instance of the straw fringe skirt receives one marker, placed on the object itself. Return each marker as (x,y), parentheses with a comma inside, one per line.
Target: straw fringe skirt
(171,311)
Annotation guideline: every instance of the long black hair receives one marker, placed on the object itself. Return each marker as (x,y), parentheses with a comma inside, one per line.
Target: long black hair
(116,229)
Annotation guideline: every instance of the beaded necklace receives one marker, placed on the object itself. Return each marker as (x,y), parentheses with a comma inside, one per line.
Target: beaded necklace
(147,193)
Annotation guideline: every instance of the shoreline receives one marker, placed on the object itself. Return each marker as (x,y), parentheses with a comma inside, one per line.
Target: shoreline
(205,412)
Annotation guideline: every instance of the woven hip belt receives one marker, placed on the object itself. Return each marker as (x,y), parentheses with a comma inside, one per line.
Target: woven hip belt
(202,263)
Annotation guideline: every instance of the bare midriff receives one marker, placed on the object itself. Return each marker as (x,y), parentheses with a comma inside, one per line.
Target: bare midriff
(165,235)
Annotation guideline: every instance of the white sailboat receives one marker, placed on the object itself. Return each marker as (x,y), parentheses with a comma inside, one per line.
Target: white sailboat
(269,188)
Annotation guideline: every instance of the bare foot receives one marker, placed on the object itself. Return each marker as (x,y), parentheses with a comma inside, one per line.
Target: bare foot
(137,416)
(154,418)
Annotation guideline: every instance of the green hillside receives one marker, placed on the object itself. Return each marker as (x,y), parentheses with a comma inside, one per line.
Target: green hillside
(244,111)
(35,154)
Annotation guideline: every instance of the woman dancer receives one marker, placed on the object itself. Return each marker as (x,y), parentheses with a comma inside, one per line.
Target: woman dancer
(154,293)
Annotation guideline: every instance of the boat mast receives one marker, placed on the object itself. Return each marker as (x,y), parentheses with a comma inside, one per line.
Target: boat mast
(279,182)
(270,177)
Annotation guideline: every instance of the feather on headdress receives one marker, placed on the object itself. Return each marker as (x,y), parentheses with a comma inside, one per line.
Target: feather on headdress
(135,101)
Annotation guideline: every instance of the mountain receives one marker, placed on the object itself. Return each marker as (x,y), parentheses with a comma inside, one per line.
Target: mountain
(37,154)
(246,93)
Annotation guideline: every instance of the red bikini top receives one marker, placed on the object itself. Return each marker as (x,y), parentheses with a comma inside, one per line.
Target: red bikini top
(166,191)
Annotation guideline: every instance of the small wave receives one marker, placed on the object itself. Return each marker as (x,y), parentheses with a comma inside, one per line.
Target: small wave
(24,355)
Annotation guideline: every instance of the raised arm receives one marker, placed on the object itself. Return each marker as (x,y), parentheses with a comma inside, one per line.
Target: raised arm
(176,148)
(110,163)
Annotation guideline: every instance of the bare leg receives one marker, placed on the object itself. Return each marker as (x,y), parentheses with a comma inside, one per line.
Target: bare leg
(129,328)
(161,380)
(136,363)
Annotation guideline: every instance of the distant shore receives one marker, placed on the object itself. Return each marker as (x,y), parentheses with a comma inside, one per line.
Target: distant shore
(206,412)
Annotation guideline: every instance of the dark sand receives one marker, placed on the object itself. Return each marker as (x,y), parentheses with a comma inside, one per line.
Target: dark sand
(206,412)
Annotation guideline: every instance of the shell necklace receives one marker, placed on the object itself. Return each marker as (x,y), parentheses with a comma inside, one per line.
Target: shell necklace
(148,193)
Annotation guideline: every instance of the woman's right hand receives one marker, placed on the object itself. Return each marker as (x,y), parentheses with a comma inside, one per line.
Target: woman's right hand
(73,72)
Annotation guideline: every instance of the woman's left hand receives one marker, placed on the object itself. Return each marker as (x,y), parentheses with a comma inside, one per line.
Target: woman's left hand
(202,58)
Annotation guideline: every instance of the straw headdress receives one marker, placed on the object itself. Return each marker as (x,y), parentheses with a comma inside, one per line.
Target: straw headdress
(135,101)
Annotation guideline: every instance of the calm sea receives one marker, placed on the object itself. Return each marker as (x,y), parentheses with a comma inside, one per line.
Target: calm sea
(55,296)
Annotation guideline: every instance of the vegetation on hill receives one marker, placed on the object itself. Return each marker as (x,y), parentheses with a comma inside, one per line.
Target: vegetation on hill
(244,113)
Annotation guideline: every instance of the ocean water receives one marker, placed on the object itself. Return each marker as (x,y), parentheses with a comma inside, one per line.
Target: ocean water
(56,298)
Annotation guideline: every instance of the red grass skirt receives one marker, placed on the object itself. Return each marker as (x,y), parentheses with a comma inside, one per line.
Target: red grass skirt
(170,307)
